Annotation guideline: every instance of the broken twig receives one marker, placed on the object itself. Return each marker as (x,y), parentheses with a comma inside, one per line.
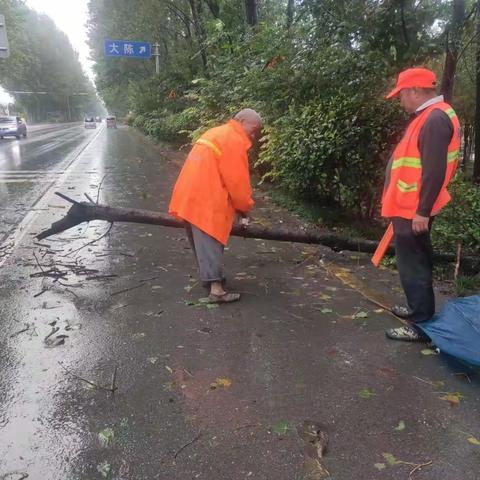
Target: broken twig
(89,382)
(419,467)
(188,444)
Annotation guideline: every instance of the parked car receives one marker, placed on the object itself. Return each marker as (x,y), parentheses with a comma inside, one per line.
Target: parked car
(98,119)
(90,122)
(12,127)
(111,121)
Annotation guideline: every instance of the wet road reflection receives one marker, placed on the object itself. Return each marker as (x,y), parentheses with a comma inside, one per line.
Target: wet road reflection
(28,166)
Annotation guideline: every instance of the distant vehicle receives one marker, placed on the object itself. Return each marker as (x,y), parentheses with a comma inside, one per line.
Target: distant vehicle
(90,122)
(98,119)
(111,121)
(12,127)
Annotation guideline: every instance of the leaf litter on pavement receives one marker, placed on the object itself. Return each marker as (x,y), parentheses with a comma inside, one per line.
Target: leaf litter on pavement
(400,427)
(281,428)
(104,469)
(391,461)
(106,437)
(223,382)
(202,302)
(366,393)
(452,398)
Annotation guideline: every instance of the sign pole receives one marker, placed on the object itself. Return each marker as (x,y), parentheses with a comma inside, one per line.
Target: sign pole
(157,58)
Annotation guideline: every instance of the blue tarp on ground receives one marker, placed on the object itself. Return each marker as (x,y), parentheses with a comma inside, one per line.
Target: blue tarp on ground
(455,330)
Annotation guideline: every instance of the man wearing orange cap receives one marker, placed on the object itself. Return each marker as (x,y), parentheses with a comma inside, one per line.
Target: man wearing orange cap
(213,186)
(417,176)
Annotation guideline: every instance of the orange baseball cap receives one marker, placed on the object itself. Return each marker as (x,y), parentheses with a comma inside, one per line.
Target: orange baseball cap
(414,77)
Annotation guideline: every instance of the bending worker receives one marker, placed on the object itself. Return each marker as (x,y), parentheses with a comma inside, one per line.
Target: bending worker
(417,176)
(214,186)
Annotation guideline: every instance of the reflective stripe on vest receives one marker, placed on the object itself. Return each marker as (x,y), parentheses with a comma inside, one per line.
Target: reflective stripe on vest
(413,162)
(210,145)
(416,162)
(407,187)
(453,156)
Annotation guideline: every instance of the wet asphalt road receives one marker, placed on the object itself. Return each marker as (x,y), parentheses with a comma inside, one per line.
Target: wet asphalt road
(213,394)
(28,166)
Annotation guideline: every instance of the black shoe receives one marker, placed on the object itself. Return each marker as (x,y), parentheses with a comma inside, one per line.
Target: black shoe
(401,312)
(406,334)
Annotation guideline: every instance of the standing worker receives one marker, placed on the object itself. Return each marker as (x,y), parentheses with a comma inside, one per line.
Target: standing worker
(214,186)
(417,176)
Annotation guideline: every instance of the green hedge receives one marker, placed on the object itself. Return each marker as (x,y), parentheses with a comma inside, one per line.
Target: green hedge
(332,150)
(460,220)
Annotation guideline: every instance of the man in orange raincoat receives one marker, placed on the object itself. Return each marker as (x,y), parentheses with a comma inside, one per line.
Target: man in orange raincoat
(212,188)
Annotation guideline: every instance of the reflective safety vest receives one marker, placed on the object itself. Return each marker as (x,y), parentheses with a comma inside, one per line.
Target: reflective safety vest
(401,195)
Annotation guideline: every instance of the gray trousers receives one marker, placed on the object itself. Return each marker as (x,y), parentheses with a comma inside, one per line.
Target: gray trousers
(208,254)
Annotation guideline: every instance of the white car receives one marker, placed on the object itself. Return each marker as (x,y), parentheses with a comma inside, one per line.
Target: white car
(12,127)
(90,122)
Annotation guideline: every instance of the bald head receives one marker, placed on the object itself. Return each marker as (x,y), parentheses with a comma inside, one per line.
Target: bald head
(250,121)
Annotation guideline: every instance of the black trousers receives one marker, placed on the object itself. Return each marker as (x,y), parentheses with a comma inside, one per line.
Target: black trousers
(415,266)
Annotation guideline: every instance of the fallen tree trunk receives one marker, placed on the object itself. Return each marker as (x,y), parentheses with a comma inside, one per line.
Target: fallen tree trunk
(81,212)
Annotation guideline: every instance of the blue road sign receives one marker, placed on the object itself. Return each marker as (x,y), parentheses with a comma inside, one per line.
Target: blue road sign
(126,48)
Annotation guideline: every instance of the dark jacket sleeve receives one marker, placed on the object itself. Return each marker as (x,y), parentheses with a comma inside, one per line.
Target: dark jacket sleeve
(433,142)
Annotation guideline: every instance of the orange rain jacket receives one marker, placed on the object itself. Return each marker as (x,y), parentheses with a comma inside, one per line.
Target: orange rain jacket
(214,182)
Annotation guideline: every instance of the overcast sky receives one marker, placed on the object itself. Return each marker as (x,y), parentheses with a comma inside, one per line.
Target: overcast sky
(70,16)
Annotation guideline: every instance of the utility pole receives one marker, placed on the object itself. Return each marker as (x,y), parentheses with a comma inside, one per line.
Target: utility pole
(4,50)
(69,113)
(156,54)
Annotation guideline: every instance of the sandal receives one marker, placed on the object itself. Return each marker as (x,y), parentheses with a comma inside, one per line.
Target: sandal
(225,298)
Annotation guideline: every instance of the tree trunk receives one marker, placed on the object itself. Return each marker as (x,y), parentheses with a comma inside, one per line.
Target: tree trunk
(196,8)
(214,7)
(86,212)
(452,47)
(290,12)
(476,165)
(404,25)
(251,11)
(467,145)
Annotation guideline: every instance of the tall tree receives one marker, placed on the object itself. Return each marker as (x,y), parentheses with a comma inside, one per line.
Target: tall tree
(251,10)
(453,38)
(290,12)
(43,60)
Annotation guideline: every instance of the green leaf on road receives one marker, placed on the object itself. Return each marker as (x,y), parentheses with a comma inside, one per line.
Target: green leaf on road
(453,398)
(281,428)
(326,310)
(366,393)
(211,306)
(106,436)
(104,469)
(361,315)
(380,466)
(202,302)
(400,427)
(474,441)
(428,351)
(390,459)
